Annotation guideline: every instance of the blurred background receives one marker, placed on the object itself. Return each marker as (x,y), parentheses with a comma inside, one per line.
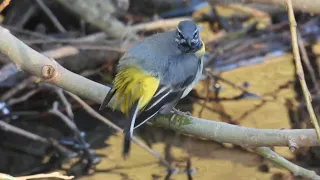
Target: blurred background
(249,80)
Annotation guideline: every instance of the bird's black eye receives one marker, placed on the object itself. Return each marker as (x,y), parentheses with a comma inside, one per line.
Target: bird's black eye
(196,34)
(180,35)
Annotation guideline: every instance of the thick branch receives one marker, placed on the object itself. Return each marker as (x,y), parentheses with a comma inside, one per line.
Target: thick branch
(37,64)
(33,62)
(246,137)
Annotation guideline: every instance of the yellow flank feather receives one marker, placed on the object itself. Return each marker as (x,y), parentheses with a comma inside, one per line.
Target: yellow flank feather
(201,51)
(130,84)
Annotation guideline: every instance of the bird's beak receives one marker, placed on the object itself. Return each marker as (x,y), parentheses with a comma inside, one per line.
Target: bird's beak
(189,41)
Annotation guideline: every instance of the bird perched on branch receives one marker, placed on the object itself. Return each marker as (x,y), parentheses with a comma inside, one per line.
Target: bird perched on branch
(155,74)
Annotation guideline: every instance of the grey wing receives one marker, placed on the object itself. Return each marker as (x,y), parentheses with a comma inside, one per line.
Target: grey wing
(162,102)
(190,83)
(167,96)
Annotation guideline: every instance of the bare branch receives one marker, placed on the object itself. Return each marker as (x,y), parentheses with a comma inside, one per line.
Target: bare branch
(54,175)
(23,97)
(8,127)
(299,69)
(306,61)
(48,69)
(13,91)
(33,62)
(295,169)
(65,102)
(4,4)
(52,17)
(54,53)
(63,117)
(159,24)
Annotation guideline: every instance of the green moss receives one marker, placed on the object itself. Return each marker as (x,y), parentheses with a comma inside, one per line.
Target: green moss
(175,122)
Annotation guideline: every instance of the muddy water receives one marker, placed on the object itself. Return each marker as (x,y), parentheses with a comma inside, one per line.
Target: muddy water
(212,160)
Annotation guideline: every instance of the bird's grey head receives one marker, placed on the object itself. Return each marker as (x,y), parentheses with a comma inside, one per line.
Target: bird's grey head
(187,36)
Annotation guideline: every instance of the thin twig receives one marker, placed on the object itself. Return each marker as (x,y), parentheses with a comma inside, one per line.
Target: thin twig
(64,152)
(65,102)
(8,127)
(63,117)
(93,113)
(299,69)
(29,12)
(279,160)
(306,61)
(52,17)
(26,32)
(7,95)
(53,175)
(100,47)
(23,97)
(233,84)
(70,123)
(4,4)
(159,24)
(207,96)
(95,37)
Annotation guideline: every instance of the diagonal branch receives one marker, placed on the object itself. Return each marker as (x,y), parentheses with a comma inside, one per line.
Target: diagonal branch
(50,71)
(277,159)
(52,17)
(4,4)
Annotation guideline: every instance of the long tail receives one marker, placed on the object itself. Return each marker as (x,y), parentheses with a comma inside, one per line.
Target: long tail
(128,132)
(107,99)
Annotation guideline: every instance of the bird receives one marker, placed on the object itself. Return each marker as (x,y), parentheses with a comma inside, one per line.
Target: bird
(154,74)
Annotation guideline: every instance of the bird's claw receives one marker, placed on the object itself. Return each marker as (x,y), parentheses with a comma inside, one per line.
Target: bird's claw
(177,111)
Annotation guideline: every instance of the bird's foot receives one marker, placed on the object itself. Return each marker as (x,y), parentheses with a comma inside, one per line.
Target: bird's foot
(177,111)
